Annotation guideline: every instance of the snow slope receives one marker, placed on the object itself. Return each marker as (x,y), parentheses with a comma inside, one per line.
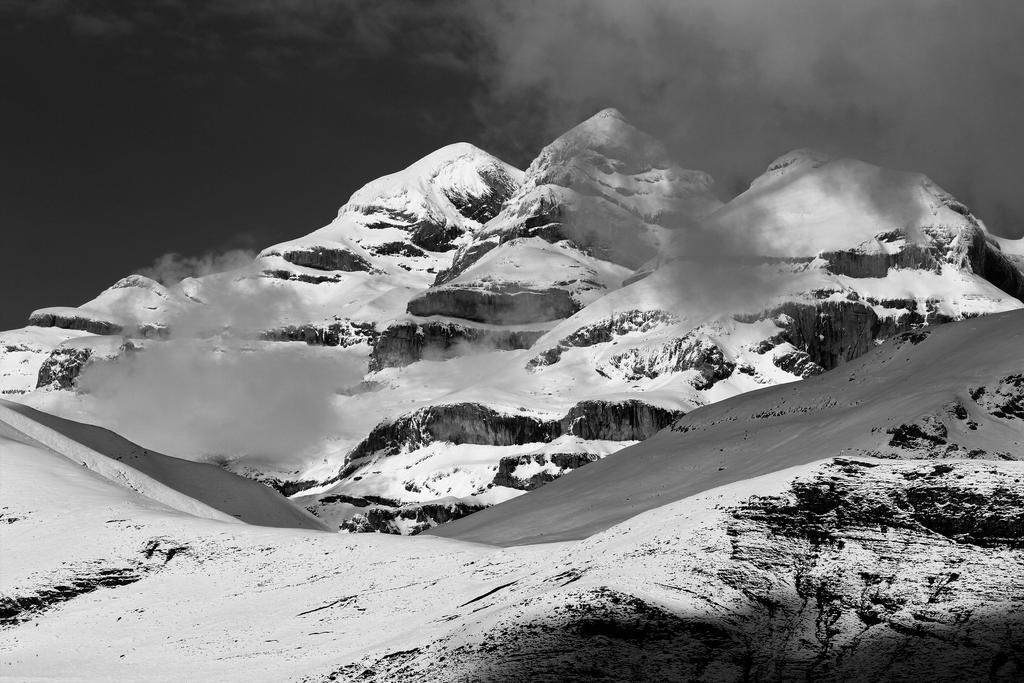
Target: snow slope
(195,488)
(925,394)
(737,580)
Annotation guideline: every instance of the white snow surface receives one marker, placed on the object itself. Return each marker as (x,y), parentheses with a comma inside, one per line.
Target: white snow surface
(196,489)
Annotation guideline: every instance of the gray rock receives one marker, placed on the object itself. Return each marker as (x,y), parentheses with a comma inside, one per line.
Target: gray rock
(74,322)
(617,421)
(62,367)
(497,306)
(324,258)
(407,342)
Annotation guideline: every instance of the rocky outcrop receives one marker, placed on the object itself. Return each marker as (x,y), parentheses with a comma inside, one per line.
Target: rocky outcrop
(797,363)
(426,232)
(396,249)
(406,342)
(343,333)
(408,519)
(474,423)
(859,571)
(988,261)
(617,421)
(62,367)
(484,207)
(603,331)
(690,352)
(434,236)
(541,218)
(1005,400)
(71,321)
(508,305)
(464,257)
(863,262)
(530,471)
(833,332)
(282,274)
(455,423)
(324,258)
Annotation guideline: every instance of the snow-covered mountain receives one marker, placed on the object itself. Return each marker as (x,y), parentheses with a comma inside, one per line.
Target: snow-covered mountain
(511,326)
(771,536)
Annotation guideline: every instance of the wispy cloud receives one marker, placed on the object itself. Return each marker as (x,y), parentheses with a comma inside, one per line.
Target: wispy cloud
(928,85)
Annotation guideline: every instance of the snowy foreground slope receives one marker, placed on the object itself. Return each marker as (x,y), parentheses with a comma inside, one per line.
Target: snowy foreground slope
(464,332)
(826,559)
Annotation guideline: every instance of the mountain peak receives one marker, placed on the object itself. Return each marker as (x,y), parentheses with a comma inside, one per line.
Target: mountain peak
(459,167)
(800,159)
(606,114)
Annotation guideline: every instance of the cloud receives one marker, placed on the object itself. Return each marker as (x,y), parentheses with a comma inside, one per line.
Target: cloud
(928,85)
(213,391)
(172,268)
(269,405)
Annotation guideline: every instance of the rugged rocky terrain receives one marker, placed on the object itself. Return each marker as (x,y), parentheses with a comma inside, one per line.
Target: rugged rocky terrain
(512,326)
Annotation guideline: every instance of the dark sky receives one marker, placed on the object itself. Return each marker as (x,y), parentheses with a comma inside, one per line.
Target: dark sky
(129,130)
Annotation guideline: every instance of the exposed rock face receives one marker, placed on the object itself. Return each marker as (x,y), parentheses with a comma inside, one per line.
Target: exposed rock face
(73,322)
(624,421)
(434,236)
(968,246)
(1005,400)
(690,352)
(396,249)
(62,367)
(604,331)
(408,519)
(876,263)
(858,571)
(344,334)
(478,424)
(924,435)
(989,262)
(540,468)
(540,217)
(832,332)
(457,423)
(325,258)
(465,257)
(430,232)
(482,208)
(282,274)
(499,306)
(797,363)
(407,342)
